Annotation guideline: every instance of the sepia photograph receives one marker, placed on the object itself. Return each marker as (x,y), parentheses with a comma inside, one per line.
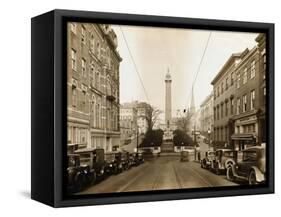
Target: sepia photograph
(157,108)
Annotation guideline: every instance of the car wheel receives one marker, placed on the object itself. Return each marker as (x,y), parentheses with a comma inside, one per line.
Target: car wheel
(93,178)
(252,178)
(79,184)
(229,174)
(217,170)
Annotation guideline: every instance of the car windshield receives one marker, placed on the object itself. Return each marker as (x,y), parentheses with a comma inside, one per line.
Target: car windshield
(72,162)
(109,157)
(250,156)
(229,154)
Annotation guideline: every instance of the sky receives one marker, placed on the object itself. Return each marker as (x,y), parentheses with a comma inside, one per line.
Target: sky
(154,50)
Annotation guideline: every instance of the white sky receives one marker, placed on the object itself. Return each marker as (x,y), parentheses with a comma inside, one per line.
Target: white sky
(156,49)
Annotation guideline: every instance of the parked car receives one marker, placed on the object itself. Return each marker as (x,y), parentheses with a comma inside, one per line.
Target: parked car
(208,159)
(251,168)
(136,159)
(125,158)
(224,158)
(77,175)
(113,163)
(94,158)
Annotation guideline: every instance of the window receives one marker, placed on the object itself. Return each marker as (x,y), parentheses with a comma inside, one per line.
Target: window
(245,103)
(83,35)
(226,83)
(73,27)
(93,111)
(92,43)
(221,110)
(253,99)
(238,106)
(253,69)
(226,108)
(232,78)
(83,67)
(215,113)
(98,49)
(83,104)
(218,112)
(250,156)
(264,61)
(221,87)
(74,96)
(218,91)
(73,59)
(245,76)
(92,76)
(238,80)
(231,105)
(97,80)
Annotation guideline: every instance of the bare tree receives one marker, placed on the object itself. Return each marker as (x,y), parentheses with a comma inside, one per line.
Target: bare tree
(152,116)
(183,120)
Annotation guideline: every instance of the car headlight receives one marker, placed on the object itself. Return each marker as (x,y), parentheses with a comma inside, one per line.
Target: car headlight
(110,165)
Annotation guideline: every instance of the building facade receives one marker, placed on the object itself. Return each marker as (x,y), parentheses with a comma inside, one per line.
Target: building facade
(128,123)
(224,105)
(240,99)
(207,116)
(92,86)
(249,119)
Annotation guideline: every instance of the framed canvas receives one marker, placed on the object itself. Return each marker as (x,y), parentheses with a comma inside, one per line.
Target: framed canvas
(134,108)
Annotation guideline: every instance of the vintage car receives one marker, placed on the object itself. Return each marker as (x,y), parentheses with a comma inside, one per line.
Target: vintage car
(224,158)
(188,154)
(136,159)
(113,163)
(77,175)
(125,158)
(250,168)
(208,159)
(94,158)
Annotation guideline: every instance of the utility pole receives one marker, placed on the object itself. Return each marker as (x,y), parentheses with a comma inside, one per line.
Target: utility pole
(194,134)
(137,140)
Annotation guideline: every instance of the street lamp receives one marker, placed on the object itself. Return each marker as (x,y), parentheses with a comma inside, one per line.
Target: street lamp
(209,134)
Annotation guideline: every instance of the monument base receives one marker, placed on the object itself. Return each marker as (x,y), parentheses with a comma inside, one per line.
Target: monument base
(167,145)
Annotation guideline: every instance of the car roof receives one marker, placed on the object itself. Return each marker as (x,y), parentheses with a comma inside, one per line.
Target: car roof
(224,149)
(254,148)
(73,155)
(84,150)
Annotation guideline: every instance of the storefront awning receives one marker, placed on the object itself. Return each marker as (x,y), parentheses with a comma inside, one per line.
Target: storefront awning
(244,136)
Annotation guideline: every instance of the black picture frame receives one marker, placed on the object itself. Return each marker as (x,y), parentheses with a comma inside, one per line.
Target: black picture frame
(49,118)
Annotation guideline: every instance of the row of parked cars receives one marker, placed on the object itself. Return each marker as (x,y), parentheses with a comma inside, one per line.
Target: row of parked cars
(248,165)
(88,166)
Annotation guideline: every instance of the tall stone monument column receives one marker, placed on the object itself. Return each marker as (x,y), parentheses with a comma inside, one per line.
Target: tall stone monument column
(167,145)
(168,100)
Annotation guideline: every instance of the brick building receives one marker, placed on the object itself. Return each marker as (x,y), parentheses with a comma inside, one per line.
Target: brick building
(224,91)
(207,115)
(128,122)
(249,119)
(92,86)
(239,99)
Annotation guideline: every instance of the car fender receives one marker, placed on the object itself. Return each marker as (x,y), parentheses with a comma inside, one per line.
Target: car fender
(229,161)
(259,174)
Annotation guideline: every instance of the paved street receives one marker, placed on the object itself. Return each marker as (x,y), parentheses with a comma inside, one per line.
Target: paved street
(160,173)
